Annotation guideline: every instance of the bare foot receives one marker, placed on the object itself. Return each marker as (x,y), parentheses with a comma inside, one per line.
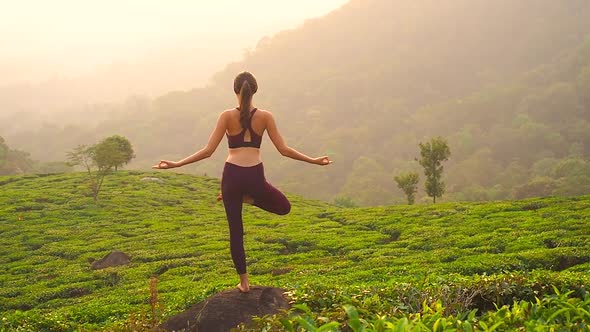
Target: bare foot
(244,285)
(243,289)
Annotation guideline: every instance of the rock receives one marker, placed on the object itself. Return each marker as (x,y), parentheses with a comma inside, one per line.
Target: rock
(115,258)
(226,310)
(152,179)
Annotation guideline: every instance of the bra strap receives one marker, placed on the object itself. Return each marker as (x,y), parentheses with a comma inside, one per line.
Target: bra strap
(250,119)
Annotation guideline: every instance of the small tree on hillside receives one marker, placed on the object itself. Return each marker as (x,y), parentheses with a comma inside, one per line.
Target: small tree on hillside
(85,156)
(408,183)
(345,201)
(432,154)
(100,159)
(117,150)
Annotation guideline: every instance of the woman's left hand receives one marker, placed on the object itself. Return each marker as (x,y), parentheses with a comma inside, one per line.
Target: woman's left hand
(165,164)
(322,161)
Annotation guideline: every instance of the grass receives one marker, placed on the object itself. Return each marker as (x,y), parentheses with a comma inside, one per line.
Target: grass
(388,259)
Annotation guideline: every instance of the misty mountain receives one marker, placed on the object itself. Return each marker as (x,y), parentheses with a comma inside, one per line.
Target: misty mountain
(112,83)
(506,82)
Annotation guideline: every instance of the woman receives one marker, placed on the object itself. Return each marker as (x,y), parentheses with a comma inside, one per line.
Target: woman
(243,174)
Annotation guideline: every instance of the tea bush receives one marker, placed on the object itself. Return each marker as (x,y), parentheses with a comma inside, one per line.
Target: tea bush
(450,266)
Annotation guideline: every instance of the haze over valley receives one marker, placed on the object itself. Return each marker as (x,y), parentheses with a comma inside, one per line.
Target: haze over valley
(62,53)
(505,82)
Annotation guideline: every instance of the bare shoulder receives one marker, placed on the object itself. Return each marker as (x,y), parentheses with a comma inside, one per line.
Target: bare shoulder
(266,114)
(263,111)
(228,111)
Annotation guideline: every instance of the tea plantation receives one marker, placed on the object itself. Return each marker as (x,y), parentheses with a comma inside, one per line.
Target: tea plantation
(506,265)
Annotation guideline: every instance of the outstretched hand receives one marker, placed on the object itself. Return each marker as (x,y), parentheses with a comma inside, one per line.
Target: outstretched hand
(164,164)
(322,161)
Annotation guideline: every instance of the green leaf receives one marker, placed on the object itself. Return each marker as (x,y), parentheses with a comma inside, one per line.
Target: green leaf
(436,325)
(353,318)
(351,312)
(303,307)
(332,326)
(402,325)
(305,324)
(495,326)
(466,326)
(287,324)
(557,313)
(483,325)
(584,312)
(471,315)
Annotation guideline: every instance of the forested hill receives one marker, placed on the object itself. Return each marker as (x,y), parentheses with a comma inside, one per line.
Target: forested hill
(506,82)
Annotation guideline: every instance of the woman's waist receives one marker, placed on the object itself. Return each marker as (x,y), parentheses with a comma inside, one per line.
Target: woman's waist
(244,156)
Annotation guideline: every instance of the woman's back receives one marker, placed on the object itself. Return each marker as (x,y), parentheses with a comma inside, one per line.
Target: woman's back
(234,127)
(244,143)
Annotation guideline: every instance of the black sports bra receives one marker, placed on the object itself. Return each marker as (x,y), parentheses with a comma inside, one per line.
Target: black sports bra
(237,141)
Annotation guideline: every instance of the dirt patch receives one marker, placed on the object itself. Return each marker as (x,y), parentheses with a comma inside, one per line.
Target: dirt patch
(281,271)
(115,258)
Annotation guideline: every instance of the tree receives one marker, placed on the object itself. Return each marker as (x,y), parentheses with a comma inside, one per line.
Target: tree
(345,201)
(100,159)
(53,167)
(115,150)
(408,182)
(537,187)
(84,156)
(365,183)
(14,161)
(432,154)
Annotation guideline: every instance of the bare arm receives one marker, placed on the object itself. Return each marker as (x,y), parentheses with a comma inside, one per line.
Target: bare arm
(205,152)
(286,150)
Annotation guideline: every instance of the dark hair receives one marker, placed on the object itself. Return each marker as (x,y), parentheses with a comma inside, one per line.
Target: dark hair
(246,86)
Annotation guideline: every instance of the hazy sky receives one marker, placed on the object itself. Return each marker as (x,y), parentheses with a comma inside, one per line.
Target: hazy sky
(67,38)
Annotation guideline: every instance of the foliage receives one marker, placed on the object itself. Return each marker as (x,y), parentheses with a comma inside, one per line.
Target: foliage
(432,154)
(105,156)
(13,161)
(19,162)
(345,201)
(115,150)
(408,182)
(541,186)
(390,263)
(87,157)
(52,167)
(558,312)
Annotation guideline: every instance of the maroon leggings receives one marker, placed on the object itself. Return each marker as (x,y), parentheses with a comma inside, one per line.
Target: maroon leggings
(236,182)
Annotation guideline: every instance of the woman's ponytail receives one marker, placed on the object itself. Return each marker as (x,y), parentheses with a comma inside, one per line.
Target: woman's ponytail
(245,86)
(245,103)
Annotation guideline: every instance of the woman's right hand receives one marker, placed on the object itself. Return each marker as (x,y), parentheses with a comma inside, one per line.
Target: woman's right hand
(164,164)
(322,161)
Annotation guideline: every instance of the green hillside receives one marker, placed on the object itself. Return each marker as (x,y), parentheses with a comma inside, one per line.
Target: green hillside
(387,261)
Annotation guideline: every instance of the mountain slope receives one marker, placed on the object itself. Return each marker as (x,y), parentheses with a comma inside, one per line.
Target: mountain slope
(504,81)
